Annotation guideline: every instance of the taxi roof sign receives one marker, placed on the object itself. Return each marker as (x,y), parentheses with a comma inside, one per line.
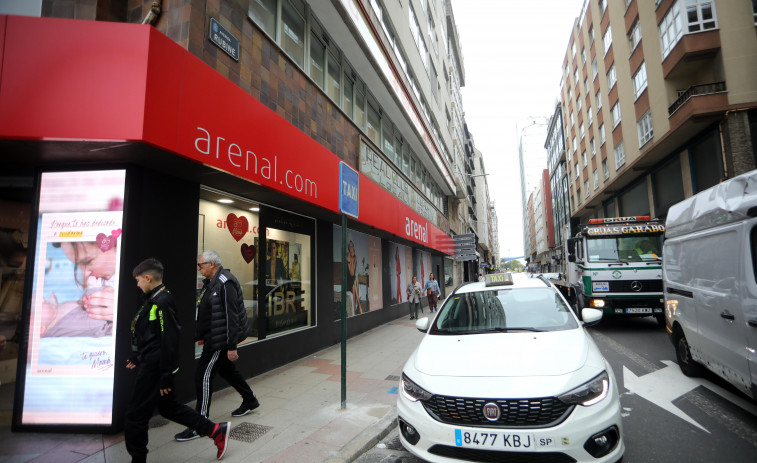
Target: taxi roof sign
(497,279)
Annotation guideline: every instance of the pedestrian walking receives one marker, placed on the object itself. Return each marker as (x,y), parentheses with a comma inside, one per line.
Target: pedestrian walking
(155,347)
(414,297)
(221,323)
(432,292)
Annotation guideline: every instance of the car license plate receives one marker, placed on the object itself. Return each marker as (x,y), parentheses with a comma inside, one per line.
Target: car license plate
(639,310)
(500,440)
(600,286)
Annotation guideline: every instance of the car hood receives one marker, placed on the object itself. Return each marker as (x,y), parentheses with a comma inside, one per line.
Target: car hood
(503,354)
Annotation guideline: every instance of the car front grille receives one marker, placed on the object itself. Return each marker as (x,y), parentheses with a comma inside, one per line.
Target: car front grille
(493,456)
(644,286)
(514,413)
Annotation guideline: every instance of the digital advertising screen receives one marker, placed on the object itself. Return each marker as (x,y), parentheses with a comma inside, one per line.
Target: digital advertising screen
(71,348)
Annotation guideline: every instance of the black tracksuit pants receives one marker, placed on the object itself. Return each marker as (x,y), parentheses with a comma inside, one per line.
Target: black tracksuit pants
(145,396)
(210,363)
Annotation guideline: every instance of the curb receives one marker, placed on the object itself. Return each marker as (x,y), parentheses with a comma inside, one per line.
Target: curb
(365,440)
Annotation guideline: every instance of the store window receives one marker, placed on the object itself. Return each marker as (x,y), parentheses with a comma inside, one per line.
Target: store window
(231,226)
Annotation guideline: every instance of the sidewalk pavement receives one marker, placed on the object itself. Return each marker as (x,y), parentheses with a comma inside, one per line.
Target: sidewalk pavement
(299,419)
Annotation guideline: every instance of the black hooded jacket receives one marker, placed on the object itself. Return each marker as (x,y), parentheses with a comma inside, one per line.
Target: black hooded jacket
(221,316)
(155,332)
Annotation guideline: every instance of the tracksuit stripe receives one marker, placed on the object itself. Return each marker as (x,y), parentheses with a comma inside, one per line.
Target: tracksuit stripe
(206,390)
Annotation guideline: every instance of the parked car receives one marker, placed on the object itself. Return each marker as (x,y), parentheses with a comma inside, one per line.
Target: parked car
(709,275)
(506,370)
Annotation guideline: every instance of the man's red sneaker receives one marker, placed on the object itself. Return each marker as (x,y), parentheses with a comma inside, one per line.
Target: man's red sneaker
(220,436)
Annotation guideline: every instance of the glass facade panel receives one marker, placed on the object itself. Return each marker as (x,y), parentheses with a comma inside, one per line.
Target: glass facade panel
(293,33)
(263,12)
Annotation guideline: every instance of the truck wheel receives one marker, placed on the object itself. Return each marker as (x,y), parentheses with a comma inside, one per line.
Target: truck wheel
(683,355)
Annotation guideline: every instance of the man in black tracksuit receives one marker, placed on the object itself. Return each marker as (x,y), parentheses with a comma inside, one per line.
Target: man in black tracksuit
(155,338)
(221,324)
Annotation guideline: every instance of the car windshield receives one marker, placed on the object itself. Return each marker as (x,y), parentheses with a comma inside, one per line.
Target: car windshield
(504,310)
(625,248)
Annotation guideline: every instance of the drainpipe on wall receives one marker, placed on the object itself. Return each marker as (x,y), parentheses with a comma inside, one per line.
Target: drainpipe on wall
(152,16)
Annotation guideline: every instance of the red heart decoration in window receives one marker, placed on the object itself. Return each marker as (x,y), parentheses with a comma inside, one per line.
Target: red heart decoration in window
(248,252)
(237,226)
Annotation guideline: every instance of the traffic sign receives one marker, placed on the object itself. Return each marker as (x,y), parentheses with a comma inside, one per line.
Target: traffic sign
(466,237)
(466,257)
(463,246)
(349,190)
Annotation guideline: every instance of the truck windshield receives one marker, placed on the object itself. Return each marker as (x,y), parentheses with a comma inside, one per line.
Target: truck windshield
(625,248)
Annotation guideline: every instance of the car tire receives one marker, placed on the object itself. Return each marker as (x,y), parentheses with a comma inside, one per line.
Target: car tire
(688,366)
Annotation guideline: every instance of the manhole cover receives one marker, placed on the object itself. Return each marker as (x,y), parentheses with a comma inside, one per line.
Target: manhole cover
(394,444)
(248,432)
(392,378)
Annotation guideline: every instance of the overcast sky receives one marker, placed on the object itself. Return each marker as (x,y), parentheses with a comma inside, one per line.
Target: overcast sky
(512,55)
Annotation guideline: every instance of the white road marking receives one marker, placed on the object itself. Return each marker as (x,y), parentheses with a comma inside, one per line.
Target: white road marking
(662,387)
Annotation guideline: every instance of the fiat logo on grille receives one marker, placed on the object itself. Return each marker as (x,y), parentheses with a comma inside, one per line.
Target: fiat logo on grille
(636,286)
(491,411)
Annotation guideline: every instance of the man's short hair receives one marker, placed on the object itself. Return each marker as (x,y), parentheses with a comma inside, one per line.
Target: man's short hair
(149,266)
(211,256)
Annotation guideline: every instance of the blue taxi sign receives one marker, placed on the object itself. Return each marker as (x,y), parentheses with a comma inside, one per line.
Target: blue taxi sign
(498,279)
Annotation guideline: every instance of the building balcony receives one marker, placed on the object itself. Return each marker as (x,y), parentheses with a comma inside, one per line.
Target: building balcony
(698,100)
(690,51)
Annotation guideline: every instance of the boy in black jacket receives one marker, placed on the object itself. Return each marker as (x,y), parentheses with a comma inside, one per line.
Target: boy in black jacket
(154,338)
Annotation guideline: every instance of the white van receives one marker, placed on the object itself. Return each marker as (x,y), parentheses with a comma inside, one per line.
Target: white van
(710,281)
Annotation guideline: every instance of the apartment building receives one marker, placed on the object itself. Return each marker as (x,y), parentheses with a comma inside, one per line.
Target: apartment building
(253,127)
(658,102)
(532,158)
(557,174)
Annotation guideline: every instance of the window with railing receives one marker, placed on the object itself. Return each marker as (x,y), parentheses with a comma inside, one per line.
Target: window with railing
(644,127)
(640,80)
(695,90)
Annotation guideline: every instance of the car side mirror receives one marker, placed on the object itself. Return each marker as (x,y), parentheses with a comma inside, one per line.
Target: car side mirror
(591,316)
(423,324)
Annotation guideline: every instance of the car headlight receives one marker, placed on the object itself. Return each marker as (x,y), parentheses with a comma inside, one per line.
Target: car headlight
(589,393)
(412,391)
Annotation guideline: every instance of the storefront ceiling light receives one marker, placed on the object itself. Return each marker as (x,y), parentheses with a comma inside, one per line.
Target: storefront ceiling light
(255,209)
(225,201)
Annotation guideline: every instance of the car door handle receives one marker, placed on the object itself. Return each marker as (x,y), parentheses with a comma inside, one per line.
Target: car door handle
(752,323)
(727,316)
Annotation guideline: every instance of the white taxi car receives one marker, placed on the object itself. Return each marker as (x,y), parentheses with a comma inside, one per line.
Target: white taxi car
(506,372)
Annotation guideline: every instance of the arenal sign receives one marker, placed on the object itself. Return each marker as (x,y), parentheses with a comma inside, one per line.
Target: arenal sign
(166,104)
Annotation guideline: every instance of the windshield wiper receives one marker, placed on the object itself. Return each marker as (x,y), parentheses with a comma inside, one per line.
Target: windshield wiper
(505,330)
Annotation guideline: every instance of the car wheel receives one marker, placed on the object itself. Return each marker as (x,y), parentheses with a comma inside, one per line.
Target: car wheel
(660,320)
(683,354)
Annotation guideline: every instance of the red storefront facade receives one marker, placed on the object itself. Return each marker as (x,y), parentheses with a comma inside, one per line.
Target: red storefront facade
(81,96)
